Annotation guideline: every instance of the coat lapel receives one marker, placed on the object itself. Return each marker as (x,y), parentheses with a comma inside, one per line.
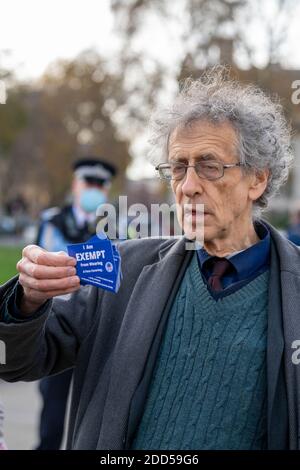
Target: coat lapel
(284,328)
(277,406)
(141,320)
(291,328)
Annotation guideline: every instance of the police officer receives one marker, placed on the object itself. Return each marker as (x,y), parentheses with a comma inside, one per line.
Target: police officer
(74,223)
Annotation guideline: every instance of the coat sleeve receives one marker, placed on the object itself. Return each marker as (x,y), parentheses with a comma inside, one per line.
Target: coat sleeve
(48,343)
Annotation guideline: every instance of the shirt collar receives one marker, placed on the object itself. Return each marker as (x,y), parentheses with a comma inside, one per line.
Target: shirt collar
(249,260)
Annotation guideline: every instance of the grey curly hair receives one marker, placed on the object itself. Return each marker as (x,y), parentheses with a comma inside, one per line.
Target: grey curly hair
(263,133)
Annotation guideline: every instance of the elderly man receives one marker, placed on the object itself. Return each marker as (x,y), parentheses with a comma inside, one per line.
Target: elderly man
(199,348)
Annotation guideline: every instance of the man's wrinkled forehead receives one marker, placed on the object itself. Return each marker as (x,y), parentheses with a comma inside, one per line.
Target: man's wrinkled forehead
(203,132)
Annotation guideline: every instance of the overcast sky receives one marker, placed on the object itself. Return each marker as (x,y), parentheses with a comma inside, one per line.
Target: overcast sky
(37,32)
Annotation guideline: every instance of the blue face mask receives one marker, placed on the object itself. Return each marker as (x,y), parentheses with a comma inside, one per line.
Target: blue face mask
(91,198)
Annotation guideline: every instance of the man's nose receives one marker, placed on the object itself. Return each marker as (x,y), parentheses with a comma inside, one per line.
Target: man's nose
(192,183)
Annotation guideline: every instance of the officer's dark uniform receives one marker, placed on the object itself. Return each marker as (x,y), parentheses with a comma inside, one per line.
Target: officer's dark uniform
(65,222)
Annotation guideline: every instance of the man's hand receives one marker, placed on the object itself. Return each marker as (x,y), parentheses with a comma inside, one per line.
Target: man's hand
(44,275)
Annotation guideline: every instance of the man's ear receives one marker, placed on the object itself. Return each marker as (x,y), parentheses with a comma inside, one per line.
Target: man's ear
(258,183)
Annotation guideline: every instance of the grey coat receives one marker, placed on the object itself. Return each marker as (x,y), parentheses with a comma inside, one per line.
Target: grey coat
(112,341)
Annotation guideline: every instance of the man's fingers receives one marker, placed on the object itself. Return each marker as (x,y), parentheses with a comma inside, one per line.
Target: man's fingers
(44,272)
(40,256)
(48,285)
(40,297)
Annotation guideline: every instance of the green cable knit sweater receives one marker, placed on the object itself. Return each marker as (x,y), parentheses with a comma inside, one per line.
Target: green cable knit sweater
(208,389)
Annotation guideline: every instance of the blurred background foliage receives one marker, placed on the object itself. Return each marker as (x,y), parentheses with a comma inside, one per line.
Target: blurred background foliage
(9,256)
(102,106)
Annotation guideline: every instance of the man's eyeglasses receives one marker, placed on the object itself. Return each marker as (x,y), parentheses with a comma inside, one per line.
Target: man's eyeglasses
(210,170)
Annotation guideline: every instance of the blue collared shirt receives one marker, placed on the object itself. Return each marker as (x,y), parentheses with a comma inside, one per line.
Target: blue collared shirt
(246,264)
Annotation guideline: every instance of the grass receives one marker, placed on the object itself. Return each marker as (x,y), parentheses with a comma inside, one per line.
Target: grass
(9,256)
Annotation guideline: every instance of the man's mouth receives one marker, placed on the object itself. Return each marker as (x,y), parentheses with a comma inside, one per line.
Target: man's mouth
(196,212)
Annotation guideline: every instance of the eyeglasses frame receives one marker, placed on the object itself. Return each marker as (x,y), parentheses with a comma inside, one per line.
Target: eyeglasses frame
(184,165)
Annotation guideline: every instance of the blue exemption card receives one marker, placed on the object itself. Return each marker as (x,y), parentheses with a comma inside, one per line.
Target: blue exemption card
(98,262)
